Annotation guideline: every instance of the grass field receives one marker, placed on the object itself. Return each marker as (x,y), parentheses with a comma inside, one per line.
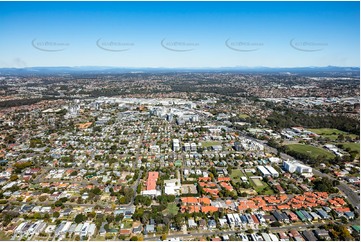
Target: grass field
(261,187)
(210,143)
(243,116)
(311,151)
(352,147)
(332,134)
(327,131)
(172,209)
(236,175)
(257,182)
(249,174)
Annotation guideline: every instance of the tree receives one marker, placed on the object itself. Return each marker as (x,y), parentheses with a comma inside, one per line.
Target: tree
(324,185)
(79,200)
(37,216)
(97,191)
(14,177)
(56,214)
(139,188)
(276,224)
(58,203)
(42,198)
(144,200)
(145,218)
(119,217)
(110,218)
(79,218)
(91,215)
(179,220)
(128,194)
(46,216)
(74,173)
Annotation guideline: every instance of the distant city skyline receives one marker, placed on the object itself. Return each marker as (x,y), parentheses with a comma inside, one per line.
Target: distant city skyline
(179,34)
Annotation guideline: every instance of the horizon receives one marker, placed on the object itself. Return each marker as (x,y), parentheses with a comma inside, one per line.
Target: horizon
(182,35)
(196,67)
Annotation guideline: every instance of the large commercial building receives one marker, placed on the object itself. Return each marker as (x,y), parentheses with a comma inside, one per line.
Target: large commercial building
(294,166)
(273,171)
(245,144)
(267,171)
(152,184)
(264,171)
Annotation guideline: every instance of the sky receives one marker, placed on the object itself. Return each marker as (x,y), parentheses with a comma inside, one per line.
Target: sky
(179,34)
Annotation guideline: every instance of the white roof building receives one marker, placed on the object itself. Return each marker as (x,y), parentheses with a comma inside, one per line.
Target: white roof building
(172,186)
(263,171)
(294,166)
(66,228)
(50,229)
(78,229)
(191,223)
(273,171)
(91,230)
(85,229)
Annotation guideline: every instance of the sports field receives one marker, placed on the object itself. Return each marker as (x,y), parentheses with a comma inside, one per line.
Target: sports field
(257,182)
(332,134)
(310,150)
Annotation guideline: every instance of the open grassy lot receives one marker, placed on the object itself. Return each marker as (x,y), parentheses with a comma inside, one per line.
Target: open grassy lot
(332,134)
(261,187)
(210,143)
(243,116)
(172,209)
(310,150)
(236,175)
(327,131)
(249,174)
(352,147)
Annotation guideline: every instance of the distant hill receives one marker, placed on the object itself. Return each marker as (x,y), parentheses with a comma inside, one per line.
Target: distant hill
(311,71)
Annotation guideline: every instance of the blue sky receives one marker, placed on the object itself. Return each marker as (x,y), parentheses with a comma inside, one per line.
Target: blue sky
(179,34)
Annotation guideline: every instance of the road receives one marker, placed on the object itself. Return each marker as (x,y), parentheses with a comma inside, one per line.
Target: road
(195,234)
(49,203)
